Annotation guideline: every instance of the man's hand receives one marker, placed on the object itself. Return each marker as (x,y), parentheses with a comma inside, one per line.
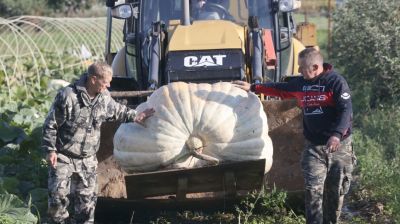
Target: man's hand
(141,117)
(333,144)
(52,158)
(242,85)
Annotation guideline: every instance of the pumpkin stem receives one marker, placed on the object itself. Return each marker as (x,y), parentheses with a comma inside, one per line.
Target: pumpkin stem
(195,145)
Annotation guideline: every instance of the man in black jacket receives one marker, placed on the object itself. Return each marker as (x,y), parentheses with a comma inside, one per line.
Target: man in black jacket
(328,157)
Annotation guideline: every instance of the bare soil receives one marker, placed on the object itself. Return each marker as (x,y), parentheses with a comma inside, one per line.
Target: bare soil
(110,180)
(285,122)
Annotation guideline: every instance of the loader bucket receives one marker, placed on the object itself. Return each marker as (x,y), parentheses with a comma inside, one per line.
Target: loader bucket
(285,130)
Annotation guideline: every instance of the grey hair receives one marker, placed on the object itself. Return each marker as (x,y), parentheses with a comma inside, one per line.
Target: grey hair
(100,69)
(311,56)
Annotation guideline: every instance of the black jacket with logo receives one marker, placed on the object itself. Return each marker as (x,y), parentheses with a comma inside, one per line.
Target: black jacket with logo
(326,104)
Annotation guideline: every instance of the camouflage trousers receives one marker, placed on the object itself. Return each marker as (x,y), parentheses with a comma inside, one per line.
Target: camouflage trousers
(327,179)
(74,179)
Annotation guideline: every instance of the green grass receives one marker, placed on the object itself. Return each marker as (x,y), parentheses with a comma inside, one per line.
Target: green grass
(378,148)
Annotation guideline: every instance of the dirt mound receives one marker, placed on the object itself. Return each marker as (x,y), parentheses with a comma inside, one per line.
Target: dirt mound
(285,130)
(111,179)
(285,121)
(110,176)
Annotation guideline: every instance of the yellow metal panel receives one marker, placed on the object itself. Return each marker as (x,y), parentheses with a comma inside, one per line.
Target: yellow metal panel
(307,34)
(173,24)
(297,47)
(207,35)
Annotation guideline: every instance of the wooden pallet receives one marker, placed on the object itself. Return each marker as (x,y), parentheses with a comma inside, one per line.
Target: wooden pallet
(225,179)
(208,188)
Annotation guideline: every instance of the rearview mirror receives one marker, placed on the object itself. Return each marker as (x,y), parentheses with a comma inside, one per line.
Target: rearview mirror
(123,11)
(289,5)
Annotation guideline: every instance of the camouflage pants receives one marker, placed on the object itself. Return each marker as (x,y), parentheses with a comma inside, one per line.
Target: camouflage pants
(76,178)
(327,179)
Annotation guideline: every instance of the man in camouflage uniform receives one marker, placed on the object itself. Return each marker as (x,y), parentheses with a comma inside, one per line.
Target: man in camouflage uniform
(327,176)
(328,157)
(71,138)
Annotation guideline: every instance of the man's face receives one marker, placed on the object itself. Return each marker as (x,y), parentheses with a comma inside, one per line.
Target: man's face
(309,72)
(101,84)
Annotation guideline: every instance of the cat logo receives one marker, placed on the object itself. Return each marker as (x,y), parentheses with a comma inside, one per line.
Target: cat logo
(204,61)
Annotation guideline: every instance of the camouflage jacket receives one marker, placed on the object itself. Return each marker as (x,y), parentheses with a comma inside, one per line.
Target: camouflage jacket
(72,126)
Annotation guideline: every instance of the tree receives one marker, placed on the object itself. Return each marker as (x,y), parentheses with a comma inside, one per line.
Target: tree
(9,8)
(69,7)
(367,45)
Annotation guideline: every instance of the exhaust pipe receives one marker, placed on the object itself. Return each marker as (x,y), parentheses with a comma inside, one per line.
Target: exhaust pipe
(109,4)
(155,55)
(257,57)
(186,13)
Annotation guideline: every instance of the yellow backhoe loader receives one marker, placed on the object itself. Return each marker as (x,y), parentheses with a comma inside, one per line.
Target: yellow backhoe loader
(203,41)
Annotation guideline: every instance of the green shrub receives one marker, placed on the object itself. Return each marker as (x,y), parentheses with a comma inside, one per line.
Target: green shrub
(377,145)
(68,7)
(267,206)
(366,47)
(366,43)
(10,8)
(382,125)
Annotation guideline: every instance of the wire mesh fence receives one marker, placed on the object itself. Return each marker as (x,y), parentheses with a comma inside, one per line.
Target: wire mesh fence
(32,47)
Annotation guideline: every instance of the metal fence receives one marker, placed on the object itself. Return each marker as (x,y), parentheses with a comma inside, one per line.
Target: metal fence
(32,46)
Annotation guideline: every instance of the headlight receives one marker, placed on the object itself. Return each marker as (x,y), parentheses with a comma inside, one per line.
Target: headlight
(123,11)
(289,5)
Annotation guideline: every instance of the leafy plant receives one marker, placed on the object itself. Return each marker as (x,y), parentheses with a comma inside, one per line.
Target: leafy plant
(266,207)
(23,106)
(15,211)
(379,161)
(10,134)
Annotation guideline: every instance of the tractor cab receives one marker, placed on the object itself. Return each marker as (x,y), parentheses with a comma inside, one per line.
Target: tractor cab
(202,41)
